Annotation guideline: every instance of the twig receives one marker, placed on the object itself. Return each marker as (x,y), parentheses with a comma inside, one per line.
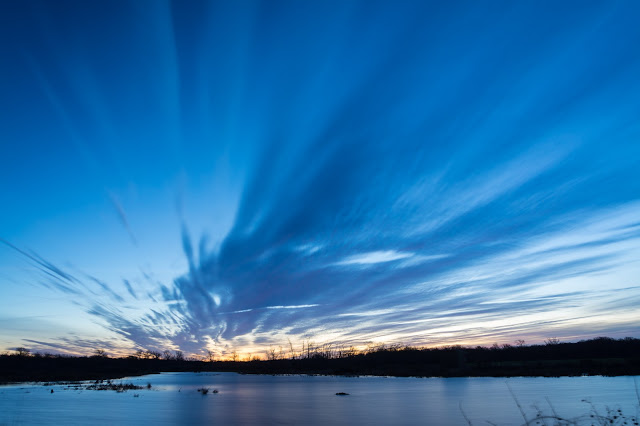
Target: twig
(635,381)
(524,416)
(553,410)
(546,417)
(464,414)
(538,416)
(595,413)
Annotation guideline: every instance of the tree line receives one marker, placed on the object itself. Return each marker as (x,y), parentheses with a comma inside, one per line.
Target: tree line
(602,356)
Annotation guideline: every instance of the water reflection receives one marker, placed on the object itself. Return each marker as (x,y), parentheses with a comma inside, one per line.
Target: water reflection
(311,400)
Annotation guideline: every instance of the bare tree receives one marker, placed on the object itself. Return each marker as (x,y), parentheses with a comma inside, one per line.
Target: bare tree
(291,351)
(23,351)
(552,341)
(271,354)
(352,351)
(310,347)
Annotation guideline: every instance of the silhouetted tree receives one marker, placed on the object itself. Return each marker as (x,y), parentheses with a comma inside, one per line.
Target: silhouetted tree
(292,353)
(271,354)
(100,353)
(23,351)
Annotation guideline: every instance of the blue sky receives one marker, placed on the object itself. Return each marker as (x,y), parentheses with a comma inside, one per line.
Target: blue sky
(234,175)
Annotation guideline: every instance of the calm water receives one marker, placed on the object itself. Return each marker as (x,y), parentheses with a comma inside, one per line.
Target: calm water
(311,400)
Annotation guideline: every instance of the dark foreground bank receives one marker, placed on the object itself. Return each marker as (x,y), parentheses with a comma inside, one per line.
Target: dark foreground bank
(601,356)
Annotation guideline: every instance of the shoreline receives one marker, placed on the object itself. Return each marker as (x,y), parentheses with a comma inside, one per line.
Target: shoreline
(597,357)
(76,377)
(92,381)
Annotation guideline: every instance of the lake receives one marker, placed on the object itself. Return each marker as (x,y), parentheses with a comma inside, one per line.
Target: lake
(311,400)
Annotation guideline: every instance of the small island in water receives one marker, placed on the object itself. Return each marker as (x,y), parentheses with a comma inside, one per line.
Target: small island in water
(600,356)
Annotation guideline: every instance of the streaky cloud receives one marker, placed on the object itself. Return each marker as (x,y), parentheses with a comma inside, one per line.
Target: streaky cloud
(374,257)
(355,172)
(123,217)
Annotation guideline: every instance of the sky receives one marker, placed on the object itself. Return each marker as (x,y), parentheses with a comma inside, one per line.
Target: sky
(237,175)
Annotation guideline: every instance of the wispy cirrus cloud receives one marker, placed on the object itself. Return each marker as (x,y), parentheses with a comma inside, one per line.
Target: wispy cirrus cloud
(374,257)
(397,174)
